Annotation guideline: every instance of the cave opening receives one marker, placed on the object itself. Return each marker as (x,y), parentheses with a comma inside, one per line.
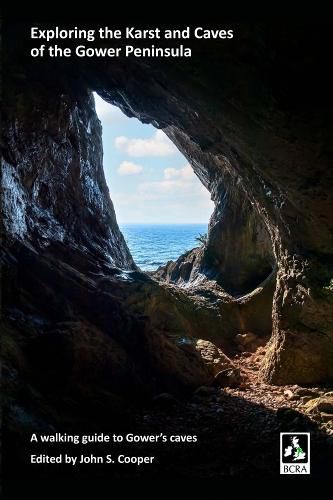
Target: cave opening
(232,256)
(162,207)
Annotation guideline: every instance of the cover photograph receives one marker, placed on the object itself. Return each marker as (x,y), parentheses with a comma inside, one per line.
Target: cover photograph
(166,251)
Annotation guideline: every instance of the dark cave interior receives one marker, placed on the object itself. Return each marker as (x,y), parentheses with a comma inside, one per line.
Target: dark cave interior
(86,334)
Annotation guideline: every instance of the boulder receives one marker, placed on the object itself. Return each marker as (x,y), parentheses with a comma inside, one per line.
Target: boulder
(213,357)
(304,391)
(327,417)
(230,377)
(289,394)
(323,404)
(306,399)
(249,341)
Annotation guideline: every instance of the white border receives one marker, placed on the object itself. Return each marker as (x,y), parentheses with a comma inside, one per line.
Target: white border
(309,454)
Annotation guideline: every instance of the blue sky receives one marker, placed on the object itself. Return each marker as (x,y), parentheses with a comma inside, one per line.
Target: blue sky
(149,180)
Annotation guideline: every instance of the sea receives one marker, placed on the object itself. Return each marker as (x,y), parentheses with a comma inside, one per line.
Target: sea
(153,245)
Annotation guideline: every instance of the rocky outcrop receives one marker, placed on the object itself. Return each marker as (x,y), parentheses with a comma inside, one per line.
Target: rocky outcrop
(53,184)
(216,360)
(323,404)
(184,270)
(238,253)
(120,332)
(249,342)
(321,409)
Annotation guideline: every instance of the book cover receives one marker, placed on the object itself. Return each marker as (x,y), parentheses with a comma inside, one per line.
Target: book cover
(166,250)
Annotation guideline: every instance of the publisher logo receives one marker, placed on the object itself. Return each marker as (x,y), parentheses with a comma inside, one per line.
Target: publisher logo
(295,453)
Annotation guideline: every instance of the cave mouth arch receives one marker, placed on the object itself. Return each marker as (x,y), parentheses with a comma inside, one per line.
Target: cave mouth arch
(248,102)
(162,208)
(237,257)
(236,251)
(226,275)
(246,106)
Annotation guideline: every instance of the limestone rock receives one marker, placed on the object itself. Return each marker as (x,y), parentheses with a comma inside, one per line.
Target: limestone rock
(306,399)
(249,341)
(228,378)
(326,417)
(289,394)
(305,391)
(55,208)
(323,404)
(214,358)
(79,355)
(177,366)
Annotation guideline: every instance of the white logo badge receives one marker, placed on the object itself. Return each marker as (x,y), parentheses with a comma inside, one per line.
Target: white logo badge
(295,453)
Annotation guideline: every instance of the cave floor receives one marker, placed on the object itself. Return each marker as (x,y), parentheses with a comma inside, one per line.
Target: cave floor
(238,429)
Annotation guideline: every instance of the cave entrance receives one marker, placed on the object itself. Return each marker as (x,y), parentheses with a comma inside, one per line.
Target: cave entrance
(162,207)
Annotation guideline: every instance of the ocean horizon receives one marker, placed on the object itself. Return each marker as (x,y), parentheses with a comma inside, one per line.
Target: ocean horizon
(153,245)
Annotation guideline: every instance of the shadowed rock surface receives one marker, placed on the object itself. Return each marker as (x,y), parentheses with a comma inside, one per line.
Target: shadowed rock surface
(54,189)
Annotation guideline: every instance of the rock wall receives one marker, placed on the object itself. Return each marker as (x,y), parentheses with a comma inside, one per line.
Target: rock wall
(238,253)
(54,189)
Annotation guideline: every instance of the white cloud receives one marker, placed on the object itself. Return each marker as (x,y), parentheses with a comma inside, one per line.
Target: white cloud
(107,112)
(129,168)
(177,184)
(170,188)
(185,173)
(179,196)
(157,145)
(151,207)
(158,188)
